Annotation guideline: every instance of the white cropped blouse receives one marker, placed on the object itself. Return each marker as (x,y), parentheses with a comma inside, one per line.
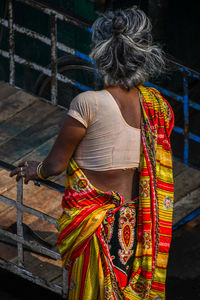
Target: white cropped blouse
(109,143)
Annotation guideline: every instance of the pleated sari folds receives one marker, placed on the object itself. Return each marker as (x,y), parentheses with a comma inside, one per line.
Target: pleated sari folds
(82,240)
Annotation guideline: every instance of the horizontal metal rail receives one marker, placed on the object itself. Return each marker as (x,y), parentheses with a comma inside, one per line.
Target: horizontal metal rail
(187,218)
(28,210)
(60,15)
(30,276)
(65,79)
(30,244)
(46,40)
(48,183)
(44,70)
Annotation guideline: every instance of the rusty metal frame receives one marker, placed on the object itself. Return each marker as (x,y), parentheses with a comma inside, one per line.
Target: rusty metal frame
(19,268)
(11,43)
(52,42)
(53,58)
(187,103)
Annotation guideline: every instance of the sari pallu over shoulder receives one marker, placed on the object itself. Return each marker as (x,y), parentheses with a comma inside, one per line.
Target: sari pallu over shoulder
(82,243)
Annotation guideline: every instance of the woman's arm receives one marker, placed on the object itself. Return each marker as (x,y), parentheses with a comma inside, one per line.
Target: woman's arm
(56,162)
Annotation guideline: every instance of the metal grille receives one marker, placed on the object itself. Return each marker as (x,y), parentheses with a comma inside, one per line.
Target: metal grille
(34,246)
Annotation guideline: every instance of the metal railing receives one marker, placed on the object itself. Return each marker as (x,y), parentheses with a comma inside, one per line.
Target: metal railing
(19,268)
(55,76)
(186,102)
(52,42)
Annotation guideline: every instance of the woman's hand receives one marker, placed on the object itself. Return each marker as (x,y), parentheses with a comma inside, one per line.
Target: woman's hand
(56,162)
(26,169)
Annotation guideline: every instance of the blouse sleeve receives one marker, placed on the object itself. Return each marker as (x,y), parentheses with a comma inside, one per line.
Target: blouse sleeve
(82,108)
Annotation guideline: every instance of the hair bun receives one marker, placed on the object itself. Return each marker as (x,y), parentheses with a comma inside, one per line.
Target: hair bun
(118,25)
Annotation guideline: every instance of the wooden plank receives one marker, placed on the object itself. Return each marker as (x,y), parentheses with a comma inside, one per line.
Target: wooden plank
(2,83)
(15,103)
(7,252)
(58,280)
(38,153)
(185,182)
(52,239)
(40,198)
(6,90)
(41,266)
(6,182)
(3,207)
(28,116)
(193,223)
(178,167)
(186,205)
(35,135)
(8,217)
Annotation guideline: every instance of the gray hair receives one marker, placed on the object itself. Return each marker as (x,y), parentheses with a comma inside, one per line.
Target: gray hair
(123,50)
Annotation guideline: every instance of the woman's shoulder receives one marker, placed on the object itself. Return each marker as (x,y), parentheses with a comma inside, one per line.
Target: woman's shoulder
(91,98)
(89,94)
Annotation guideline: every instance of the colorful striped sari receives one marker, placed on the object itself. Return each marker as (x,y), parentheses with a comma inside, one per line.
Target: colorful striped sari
(82,238)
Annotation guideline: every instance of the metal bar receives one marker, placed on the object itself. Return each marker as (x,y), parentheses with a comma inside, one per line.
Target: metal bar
(85,57)
(62,16)
(11,43)
(46,40)
(53,59)
(30,276)
(61,46)
(69,50)
(190,72)
(19,222)
(182,68)
(44,70)
(194,137)
(165,92)
(186,117)
(31,244)
(194,105)
(48,183)
(65,79)
(191,136)
(178,129)
(186,219)
(65,284)
(29,210)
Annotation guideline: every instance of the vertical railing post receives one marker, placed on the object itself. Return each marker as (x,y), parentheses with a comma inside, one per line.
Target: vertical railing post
(53,58)
(20,221)
(186,117)
(11,43)
(65,284)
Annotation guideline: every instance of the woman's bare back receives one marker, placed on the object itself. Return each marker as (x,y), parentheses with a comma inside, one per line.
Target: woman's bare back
(120,180)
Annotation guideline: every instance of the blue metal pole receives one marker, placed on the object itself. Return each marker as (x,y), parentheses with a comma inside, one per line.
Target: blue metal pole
(186,117)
